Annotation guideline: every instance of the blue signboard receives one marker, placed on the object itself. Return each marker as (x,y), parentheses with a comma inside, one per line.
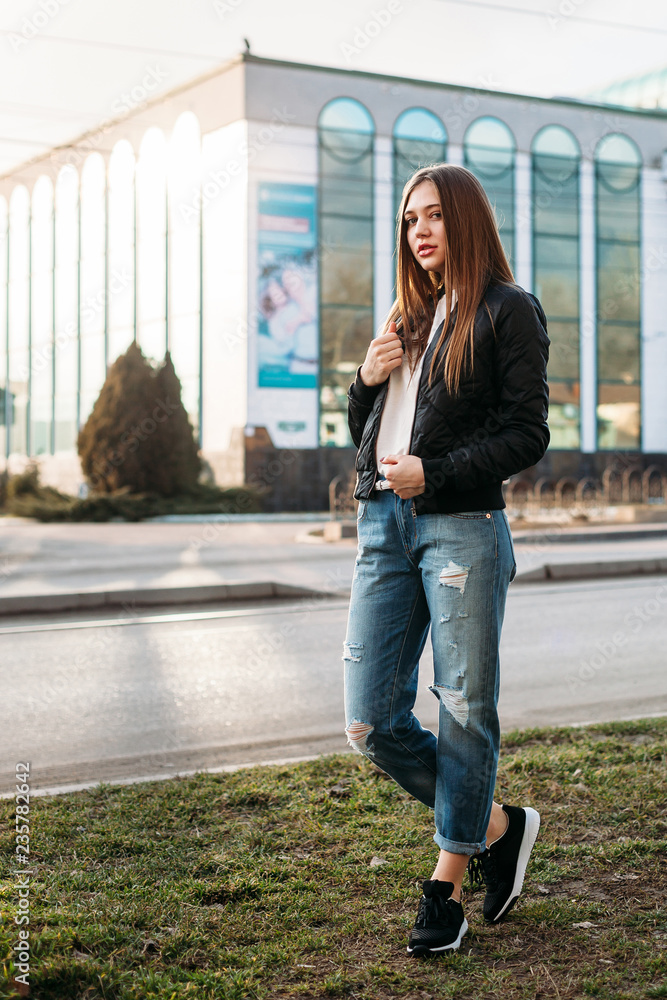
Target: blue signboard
(288,341)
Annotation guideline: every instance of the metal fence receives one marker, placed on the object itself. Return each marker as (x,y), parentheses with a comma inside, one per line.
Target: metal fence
(631,486)
(612,488)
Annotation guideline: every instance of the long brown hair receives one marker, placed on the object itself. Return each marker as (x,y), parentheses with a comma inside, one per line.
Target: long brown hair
(474,256)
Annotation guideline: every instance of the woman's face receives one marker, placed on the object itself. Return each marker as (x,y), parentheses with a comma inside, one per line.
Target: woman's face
(424,227)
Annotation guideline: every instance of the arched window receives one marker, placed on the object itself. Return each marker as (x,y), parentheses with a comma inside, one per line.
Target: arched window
(184,221)
(19,314)
(41,318)
(93,282)
(345,141)
(489,152)
(5,410)
(555,168)
(420,139)
(151,277)
(617,199)
(66,351)
(122,236)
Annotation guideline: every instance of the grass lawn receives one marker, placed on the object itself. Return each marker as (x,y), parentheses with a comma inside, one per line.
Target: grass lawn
(260,883)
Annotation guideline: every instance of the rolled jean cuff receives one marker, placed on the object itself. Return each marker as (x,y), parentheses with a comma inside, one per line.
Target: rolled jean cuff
(454,847)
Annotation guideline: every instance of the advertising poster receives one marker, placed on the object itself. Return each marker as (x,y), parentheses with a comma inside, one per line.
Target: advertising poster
(288,336)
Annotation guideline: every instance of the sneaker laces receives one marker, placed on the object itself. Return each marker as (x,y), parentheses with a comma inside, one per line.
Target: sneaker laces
(482,870)
(424,911)
(430,907)
(475,872)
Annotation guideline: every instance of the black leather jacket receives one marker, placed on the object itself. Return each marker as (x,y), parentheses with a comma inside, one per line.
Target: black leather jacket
(494,428)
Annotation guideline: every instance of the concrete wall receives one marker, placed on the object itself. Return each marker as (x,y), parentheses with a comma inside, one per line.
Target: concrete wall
(225,316)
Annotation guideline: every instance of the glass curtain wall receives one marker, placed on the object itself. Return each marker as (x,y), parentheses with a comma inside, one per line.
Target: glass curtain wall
(121,251)
(489,150)
(419,140)
(84,270)
(66,344)
(93,282)
(4,393)
(617,197)
(151,277)
(41,317)
(19,318)
(555,168)
(346,143)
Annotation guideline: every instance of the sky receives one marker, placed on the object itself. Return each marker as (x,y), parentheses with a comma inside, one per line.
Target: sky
(66,66)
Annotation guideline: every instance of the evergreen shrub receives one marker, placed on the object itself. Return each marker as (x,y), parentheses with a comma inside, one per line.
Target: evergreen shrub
(138,434)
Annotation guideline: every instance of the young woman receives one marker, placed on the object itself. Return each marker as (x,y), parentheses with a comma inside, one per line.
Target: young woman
(450,400)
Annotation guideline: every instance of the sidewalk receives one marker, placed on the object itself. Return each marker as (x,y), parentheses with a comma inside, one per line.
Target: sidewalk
(47,567)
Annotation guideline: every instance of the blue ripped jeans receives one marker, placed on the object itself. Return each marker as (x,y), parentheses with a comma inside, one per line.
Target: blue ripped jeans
(449,573)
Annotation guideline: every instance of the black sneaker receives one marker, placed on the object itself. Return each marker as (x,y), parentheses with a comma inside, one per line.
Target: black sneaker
(502,866)
(440,923)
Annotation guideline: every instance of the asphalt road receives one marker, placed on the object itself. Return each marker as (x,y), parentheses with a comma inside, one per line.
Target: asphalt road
(53,558)
(130,696)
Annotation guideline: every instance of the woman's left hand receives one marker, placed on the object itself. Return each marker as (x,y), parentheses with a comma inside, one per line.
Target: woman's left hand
(406,475)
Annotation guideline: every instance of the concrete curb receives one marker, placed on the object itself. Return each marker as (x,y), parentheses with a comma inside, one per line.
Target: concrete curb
(594,533)
(278,518)
(593,570)
(129,598)
(216,593)
(336,531)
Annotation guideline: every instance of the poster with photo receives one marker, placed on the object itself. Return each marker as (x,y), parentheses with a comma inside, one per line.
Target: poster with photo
(288,335)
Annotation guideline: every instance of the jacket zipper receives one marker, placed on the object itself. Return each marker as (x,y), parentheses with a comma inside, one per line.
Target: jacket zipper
(414,419)
(375,475)
(423,378)
(412,429)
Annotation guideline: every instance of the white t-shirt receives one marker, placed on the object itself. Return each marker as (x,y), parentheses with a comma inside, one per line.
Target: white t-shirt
(398,413)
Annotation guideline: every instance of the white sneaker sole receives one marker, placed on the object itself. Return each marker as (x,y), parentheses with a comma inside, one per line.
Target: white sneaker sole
(530,832)
(423,950)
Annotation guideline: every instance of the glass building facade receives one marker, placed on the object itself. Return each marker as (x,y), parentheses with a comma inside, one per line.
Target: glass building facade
(419,140)
(555,186)
(345,145)
(490,152)
(86,267)
(617,203)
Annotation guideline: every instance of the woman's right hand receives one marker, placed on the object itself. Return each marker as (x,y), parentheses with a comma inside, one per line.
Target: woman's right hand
(384,354)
